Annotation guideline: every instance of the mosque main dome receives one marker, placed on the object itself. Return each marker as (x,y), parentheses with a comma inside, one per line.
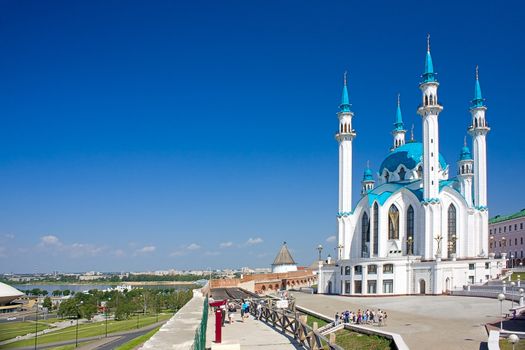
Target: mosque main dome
(410,155)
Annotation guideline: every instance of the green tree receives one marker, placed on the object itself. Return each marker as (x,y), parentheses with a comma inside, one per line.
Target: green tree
(57,293)
(66,292)
(47,303)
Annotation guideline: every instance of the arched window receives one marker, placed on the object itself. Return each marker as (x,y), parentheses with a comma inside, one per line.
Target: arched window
(386,176)
(347,270)
(431,100)
(476,122)
(393,222)
(410,230)
(452,223)
(420,172)
(376,229)
(402,173)
(341,127)
(365,235)
(426,100)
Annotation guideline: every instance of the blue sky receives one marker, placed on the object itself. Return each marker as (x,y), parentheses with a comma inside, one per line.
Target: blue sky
(140,135)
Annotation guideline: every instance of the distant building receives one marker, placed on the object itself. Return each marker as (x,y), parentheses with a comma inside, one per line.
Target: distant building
(283,261)
(506,237)
(7,295)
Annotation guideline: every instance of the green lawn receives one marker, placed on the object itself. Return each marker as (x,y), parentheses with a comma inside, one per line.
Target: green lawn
(515,275)
(132,344)
(88,330)
(505,345)
(352,340)
(311,319)
(10,330)
(70,346)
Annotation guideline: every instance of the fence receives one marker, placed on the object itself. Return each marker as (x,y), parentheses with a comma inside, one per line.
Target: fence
(200,334)
(295,324)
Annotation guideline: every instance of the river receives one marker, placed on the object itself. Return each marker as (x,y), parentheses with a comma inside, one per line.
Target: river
(84,287)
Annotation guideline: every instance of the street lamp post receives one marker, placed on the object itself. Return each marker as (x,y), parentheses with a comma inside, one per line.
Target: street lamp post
(511,261)
(501,298)
(521,296)
(106,309)
(36,323)
(76,331)
(514,339)
(512,284)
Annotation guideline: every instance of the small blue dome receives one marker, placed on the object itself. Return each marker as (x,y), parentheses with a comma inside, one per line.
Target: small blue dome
(409,155)
(465,153)
(368,176)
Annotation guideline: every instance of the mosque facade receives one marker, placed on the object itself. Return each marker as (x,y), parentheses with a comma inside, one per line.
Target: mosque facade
(415,228)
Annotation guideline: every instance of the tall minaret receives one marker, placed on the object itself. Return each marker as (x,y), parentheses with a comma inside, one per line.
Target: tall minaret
(429,111)
(478,130)
(466,173)
(399,131)
(345,136)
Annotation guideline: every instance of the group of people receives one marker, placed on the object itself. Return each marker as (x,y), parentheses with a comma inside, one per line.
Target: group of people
(232,310)
(378,317)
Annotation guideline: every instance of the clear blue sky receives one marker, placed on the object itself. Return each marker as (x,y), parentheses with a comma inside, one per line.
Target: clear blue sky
(143,135)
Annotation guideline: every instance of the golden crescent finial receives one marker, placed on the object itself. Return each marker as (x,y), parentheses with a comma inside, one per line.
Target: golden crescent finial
(344,76)
(412,133)
(398,98)
(477,72)
(464,141)
(428,42)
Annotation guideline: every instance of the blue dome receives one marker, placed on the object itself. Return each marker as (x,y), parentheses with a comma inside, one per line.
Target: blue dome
(409,155)
(465,154)
(368,176)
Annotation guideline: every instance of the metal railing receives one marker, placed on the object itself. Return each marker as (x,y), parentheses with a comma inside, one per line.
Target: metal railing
(200,334)
(293,323)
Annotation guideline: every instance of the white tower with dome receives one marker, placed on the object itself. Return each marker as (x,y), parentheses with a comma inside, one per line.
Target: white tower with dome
(414,230)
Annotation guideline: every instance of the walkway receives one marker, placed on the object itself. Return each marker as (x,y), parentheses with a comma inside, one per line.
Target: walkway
(438,322)
(250,334)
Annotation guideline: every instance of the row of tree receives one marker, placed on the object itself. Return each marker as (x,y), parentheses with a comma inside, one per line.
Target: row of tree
(42,292)
(124,304)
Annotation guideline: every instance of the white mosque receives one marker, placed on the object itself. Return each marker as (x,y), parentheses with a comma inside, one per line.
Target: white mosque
(415,230)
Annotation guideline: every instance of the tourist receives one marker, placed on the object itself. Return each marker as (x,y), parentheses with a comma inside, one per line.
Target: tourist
(385,316)
(242,310)
(259,311)
(336,319)
(231,312)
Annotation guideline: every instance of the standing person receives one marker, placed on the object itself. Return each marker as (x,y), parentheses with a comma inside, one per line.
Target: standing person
(259,311)
(385,316)
(242,310)
(223,313)
(247,310)
(231,310)
(336,319)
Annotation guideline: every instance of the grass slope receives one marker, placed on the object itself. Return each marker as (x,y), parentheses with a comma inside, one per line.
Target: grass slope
(10,330)
(352,340)
(132,344)
(88,330)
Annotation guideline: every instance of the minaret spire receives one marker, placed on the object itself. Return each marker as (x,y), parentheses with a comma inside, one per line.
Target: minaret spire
(478,98)
(428,75)
(399,131)
(345,101)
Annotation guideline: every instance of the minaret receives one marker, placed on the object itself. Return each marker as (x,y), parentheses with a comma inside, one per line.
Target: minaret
(429,110)
(345,136)
(478,130)
(367,184)
(466,172)
(399,131)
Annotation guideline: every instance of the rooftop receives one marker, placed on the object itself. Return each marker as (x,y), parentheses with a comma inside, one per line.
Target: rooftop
(501,218)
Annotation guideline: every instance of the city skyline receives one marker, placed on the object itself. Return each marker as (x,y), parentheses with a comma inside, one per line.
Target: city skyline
(166,135)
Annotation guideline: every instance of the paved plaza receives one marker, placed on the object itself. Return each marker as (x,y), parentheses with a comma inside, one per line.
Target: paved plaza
(424,322)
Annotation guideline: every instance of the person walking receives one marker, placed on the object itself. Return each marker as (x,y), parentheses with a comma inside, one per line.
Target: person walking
(336,319)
